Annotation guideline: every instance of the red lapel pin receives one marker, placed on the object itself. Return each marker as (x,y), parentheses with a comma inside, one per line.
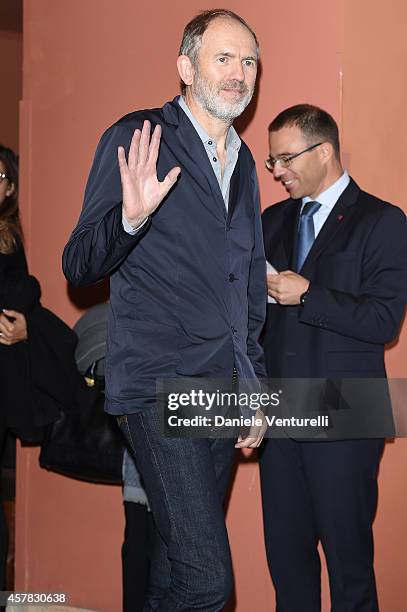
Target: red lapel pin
(340,217)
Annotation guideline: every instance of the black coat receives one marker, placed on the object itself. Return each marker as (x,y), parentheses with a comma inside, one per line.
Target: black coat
(38,377)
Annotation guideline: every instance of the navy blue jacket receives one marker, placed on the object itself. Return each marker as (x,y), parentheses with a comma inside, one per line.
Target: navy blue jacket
(188,292)
(358,272)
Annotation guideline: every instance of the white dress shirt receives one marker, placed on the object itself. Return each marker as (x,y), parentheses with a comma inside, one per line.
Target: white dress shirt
(327,199)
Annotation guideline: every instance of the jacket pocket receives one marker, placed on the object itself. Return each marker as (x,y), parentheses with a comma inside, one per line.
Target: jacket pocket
(139,352)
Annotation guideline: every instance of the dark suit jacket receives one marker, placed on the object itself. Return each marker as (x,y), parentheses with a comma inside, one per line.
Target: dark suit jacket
(358,272)
(188,291)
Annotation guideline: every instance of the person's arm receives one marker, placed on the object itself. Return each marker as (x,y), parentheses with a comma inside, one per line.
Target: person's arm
(19,290)
(257,295)
(375,315)
(19,296)
(16,263)
(118,191)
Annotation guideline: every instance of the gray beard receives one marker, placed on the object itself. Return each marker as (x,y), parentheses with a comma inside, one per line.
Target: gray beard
(209,99)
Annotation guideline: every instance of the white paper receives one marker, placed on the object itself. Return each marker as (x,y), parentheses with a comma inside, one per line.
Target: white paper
(270,270)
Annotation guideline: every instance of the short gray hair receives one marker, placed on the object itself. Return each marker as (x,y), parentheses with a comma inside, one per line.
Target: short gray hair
(195,29)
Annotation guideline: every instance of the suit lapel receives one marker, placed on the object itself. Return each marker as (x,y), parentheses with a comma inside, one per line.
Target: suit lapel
(290,225)
(193,158)
(234,190)
(335,222)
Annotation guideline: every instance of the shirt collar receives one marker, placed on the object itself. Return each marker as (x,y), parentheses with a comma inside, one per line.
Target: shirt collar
(232,139)
(330,196)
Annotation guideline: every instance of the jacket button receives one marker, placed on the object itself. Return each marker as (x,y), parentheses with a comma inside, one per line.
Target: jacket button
(232,277)
(234,330)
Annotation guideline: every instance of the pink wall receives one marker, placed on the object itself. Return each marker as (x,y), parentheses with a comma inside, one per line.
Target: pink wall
(85,64)
(375,138)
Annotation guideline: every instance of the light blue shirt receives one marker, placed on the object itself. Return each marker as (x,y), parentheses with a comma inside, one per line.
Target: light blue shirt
(233,144)
(327,199)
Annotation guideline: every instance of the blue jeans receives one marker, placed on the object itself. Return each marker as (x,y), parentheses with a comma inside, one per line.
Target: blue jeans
(186,481)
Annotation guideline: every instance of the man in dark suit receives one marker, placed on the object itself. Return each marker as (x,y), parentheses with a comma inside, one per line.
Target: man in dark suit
(177,226)
(339,298)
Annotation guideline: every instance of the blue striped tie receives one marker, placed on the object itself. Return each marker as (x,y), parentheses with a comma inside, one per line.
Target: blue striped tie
(306,233)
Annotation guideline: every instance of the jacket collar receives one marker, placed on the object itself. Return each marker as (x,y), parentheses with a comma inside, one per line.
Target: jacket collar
(193,157)
(336,222)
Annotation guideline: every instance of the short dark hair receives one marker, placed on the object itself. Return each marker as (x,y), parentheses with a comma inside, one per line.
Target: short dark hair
(313,122)
(195,29)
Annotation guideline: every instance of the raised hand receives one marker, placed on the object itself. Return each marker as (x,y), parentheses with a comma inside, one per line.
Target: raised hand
(142,191)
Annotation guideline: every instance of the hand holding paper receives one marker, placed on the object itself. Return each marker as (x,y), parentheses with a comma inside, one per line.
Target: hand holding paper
(270,270)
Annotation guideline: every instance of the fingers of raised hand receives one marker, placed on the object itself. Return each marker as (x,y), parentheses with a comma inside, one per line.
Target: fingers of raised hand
(154,146)
(169,180)
(144,143)
(134,149)
(143,151)
(121,156)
